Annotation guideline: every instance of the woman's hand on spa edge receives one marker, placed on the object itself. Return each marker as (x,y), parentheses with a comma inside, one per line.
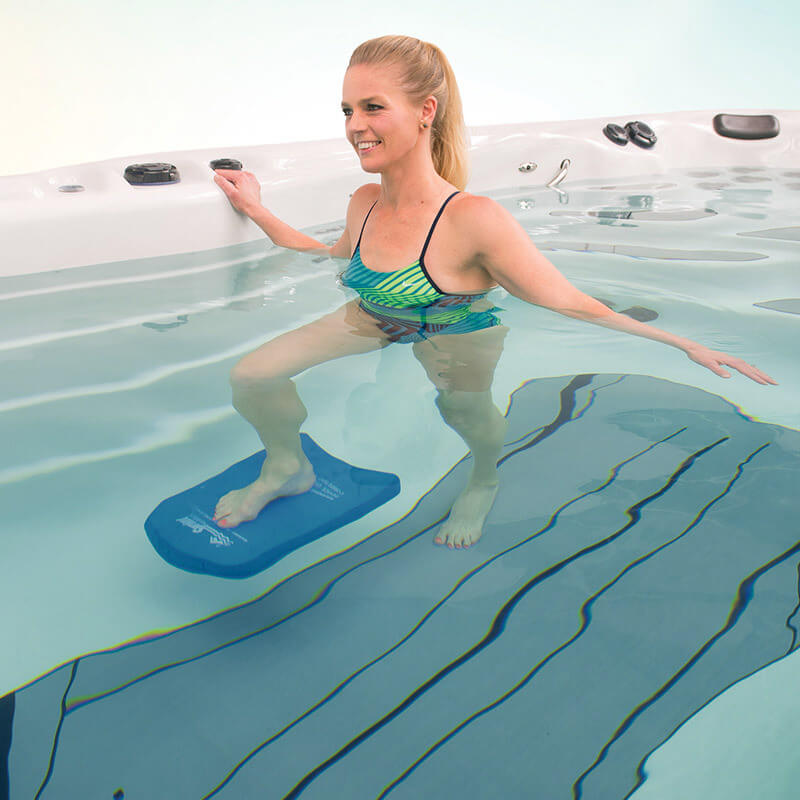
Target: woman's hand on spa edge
(241,188)
(714,359)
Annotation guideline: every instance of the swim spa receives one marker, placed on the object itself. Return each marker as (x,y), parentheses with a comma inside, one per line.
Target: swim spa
(641,561)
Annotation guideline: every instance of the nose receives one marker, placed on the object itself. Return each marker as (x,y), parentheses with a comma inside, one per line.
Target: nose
(354,122)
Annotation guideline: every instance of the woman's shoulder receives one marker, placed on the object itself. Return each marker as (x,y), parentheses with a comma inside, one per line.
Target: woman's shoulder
(366,193)
(469,203)
(360,201)
(481,219)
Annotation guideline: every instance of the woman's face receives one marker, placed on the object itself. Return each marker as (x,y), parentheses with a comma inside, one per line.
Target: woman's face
(376,109)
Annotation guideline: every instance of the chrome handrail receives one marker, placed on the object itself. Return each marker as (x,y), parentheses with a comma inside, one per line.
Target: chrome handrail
(560,175)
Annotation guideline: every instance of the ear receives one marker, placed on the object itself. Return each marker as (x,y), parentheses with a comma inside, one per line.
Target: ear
(429,110)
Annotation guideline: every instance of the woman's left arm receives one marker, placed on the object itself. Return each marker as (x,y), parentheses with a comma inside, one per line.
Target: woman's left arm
(507,253)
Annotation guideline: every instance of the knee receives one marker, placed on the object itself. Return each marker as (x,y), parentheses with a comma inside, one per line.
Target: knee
(474,411)
(242,374)
(462,408)
(252,372)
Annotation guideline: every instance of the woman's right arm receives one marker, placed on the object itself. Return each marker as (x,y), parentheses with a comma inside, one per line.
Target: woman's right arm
(244,192)
(285,235)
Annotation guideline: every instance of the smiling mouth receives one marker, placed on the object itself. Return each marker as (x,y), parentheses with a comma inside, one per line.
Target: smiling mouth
(370,147)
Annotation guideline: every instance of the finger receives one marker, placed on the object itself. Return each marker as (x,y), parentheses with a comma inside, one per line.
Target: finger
(229,176)
(752,372)
(740,365)
(753,375)
(716,368)
(761,377)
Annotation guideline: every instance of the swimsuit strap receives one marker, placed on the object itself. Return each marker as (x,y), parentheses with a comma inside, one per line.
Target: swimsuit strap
(430,232)
(364,225)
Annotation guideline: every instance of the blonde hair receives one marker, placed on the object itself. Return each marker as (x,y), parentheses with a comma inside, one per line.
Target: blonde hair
(425,71)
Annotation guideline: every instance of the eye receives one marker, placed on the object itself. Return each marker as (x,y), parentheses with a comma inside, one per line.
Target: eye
(370,107)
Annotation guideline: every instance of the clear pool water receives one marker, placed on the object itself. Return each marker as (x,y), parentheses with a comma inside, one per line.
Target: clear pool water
(117,397)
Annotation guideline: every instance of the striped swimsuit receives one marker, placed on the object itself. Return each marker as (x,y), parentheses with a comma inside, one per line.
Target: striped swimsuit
(407,304)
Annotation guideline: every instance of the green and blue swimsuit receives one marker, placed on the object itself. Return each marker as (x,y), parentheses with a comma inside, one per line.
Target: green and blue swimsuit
(407,304)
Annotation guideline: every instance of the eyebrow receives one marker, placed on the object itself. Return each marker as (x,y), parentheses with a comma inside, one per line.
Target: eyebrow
(365,100)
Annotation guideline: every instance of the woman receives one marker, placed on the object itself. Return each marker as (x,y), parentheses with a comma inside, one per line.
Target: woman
(403,117)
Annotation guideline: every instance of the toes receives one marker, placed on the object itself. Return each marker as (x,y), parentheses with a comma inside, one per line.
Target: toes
(228,521)
(456,539)
(223,507)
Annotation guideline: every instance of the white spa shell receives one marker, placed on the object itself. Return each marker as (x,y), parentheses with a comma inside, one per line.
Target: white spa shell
(308,183)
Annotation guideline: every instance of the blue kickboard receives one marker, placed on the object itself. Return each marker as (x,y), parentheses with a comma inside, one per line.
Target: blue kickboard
(183,532)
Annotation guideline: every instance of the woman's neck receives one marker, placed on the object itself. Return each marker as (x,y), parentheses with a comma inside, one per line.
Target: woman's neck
(411,185)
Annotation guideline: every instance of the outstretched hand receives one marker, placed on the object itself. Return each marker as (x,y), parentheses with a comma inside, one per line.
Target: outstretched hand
(242,188)
(714,359)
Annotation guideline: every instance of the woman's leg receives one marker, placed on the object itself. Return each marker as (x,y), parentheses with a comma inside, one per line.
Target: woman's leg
(462,367)
(265,395)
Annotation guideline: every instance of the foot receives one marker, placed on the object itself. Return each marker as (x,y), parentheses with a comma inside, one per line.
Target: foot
(464,526)
(242,505)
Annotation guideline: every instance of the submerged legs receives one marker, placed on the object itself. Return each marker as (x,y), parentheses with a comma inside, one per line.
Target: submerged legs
(462,368)
(274,409)
(478,421)
(266,396)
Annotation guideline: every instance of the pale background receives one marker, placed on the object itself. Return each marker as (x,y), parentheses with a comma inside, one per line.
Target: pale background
(86,80)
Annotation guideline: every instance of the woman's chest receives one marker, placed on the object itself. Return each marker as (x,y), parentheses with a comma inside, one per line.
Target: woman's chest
(444,255)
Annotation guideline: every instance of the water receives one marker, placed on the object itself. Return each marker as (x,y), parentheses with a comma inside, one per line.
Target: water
(119,398)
